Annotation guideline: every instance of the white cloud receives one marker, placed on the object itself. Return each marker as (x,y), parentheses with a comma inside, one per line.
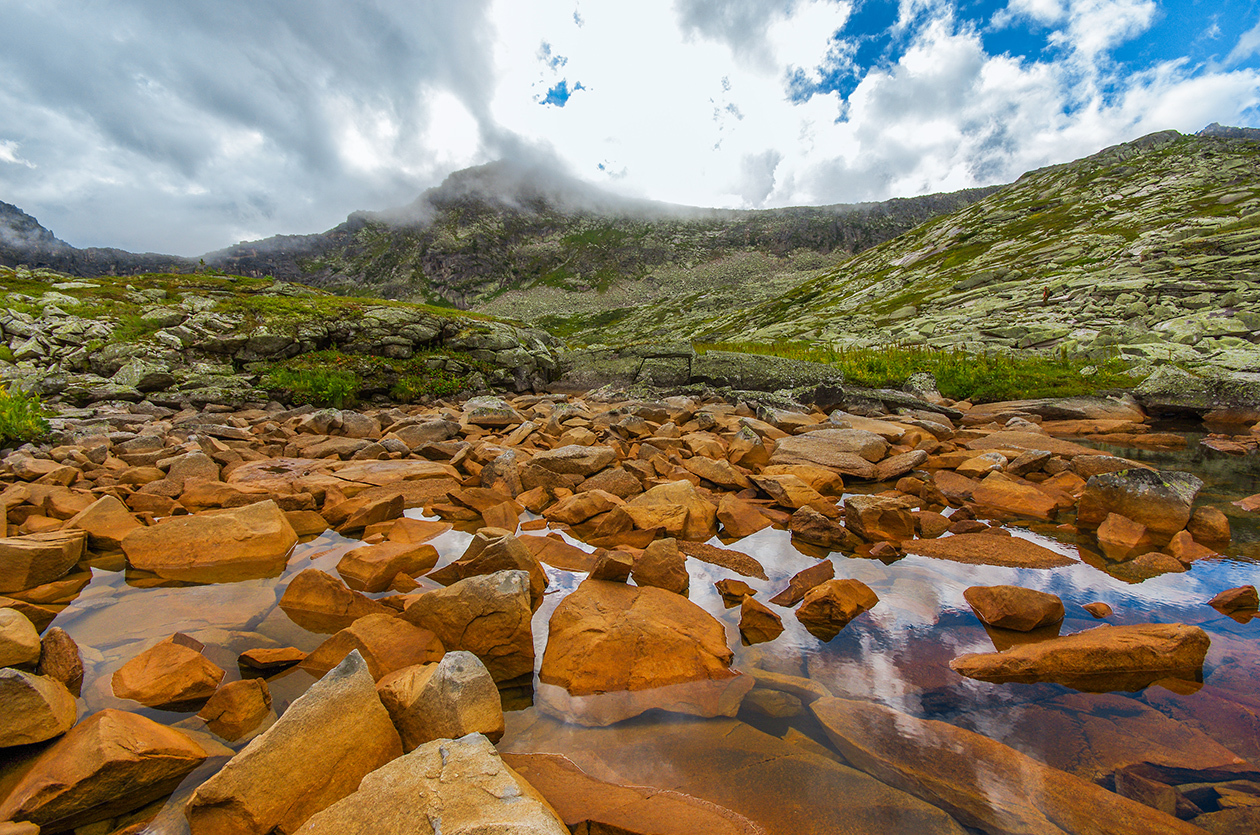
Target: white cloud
(9,154)
(1247,46)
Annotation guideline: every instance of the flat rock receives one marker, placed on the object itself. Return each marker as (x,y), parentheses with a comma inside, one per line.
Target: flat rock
(108,764)
(243,543)
(575,460)
(729,558)
(107,521)
(328,740)
(615,651)
(446,700)
(840,450)
(1010,439)
(36,708)
(1098,659)
(989,549)
(488,615)
(1012,607)
(452,787)
(39,558)
(982,783)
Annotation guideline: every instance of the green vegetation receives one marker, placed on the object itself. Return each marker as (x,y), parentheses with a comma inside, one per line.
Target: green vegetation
(132,327)
(21,417)
(333,378)
(959,375)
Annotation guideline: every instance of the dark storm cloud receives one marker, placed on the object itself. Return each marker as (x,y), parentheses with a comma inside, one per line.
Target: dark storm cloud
(207,116)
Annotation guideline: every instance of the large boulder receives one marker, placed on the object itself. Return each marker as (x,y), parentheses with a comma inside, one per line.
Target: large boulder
(1099,659)
(829,606)
(386,642)
(615,651)
(36,708)
(1012,607)
(488,615)
(575,460)
(19,642)
(328,740)
(678,508)
(1160,500)
(984,784)
(446,700)
(451,787)
(319,602)
(243,543)
(110,763)
(39,558)
(170,674)
(846,451)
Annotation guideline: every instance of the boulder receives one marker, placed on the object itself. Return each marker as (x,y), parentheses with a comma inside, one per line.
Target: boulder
(106,521)
(1121,538)
(614,566)
(588,805)
(988,549)
(1099,659)
(493,550)
(615,651)
(238,544)
(327,741)
(172,673)
(661,565)
(1012,607)
(739,518)
(108,764)
(1160,500)
(678,508)
(1000,492)
(371,568)
(1236,600)
(452,787)
(59,659)
(446,700)
(757,623)
(982,783)
(386,643)
(19,642)
(736,561)
(849,452)
(829,606)
(238,708)
(575,460)
(39,558)
(878,518)
(803,581)
(488,615)
(36,708)
(318,602)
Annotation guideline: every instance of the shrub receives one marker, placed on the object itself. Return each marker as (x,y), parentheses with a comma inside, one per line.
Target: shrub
(22,417)
(316,386)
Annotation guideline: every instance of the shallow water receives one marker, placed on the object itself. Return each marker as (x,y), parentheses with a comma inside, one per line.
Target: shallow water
(897,655)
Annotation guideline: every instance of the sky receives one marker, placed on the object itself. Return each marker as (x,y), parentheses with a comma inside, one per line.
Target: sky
(184,127)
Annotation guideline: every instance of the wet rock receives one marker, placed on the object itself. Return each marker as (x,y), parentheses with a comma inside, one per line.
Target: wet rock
(987,549)
(1184,548)
(878,518)
(773,704)
(39,558)
(1207,524)
(171,674)
(1120,537)
(792,492)
(319,602)
(446,700)
(981,783)
(586,804)
(36,708)
(1235,600)
(739,518)
(662,566)
(385,642)
(487,615)
(1159,500)
(248,542)
(455,787)
(106,521)
(615,651)
(1098,659)
(678,508)
(19,642)
(371,568)
(802,582)
(733,591)
(1012,607)
(108,764)
(757,624)
(238,708)
(1004,494)
(493,550)
(1098,609)
(327,741)
(59,659)
(828,607)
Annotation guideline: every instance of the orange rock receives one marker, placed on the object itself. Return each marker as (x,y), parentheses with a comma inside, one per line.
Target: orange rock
(1183,547)
(106,521)
(662,566)
(1098,609)
(30,561)
(878,518)
(676,507)
(956,489)
(506,515)
(986,549)
(230,545)
(808,525)
(613,566)
(371,568)
(736,561)
(757,623)
(803,581)
(1005,494)
(386,642)
(829,606)
(59,659)
(554,551)
(268,660)
(1234,600)
(492,550)
(168,674)
(791,492)
(363,510)
(739,518)
(825,481)
(1159,500)
(1207,524)
(1121,537)
(582,506)
(929,524)
(238,708)
(320,603)
(720,472)
(733,591)
(1012,607)
(36,708)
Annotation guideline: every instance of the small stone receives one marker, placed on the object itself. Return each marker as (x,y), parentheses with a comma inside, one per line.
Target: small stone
(269,660)
(169,674)
(1098,609)
(1207,524)
(733,591)
(757,624)
(830,606)
(803,581)
(1237,599)
(1012,607)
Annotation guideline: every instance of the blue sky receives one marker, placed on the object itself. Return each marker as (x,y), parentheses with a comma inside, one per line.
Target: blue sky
(184,127)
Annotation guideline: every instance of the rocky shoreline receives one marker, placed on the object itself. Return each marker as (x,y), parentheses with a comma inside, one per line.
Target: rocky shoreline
(423,649)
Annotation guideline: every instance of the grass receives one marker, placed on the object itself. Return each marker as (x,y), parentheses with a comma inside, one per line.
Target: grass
(337,379)
(132,327)
(959,375)
(22,417)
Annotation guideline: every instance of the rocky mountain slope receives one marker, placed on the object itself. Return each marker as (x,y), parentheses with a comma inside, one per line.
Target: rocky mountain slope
(1150,249)
(23,241)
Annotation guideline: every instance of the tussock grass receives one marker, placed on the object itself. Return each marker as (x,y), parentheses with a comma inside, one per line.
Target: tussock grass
(337,379)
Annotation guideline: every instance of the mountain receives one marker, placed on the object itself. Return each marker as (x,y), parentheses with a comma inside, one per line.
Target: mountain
(1149,250)
(23,241)
(506,227)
